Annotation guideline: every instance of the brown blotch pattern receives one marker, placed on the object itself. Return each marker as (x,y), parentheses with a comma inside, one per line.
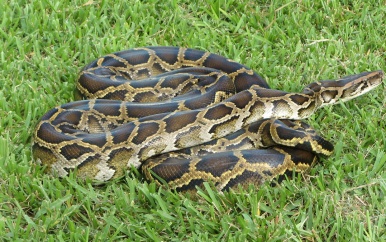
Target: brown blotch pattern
(242,100)
(145,131)
(74,151)
(169,169)
(299,99)
(217,112)
(217,164)
(48,133)
(180,120)
(118,160)
(135,57)
(72,117)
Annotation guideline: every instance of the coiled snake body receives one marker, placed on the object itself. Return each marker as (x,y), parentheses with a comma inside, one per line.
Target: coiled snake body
(186,116)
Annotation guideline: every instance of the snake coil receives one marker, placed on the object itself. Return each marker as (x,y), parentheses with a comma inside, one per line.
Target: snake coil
(186,116)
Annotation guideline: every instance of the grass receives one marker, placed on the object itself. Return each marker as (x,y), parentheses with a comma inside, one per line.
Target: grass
(44,44)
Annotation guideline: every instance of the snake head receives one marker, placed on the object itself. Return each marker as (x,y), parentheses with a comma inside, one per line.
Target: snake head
(346,88)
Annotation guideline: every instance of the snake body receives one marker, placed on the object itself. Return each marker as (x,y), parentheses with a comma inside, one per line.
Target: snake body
(186,116)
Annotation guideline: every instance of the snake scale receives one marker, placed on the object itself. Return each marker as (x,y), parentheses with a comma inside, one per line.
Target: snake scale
(186,116)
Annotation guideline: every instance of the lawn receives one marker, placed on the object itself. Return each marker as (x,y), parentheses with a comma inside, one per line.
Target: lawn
(44,44)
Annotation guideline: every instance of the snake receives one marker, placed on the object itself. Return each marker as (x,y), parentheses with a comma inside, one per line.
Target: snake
(185,117)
